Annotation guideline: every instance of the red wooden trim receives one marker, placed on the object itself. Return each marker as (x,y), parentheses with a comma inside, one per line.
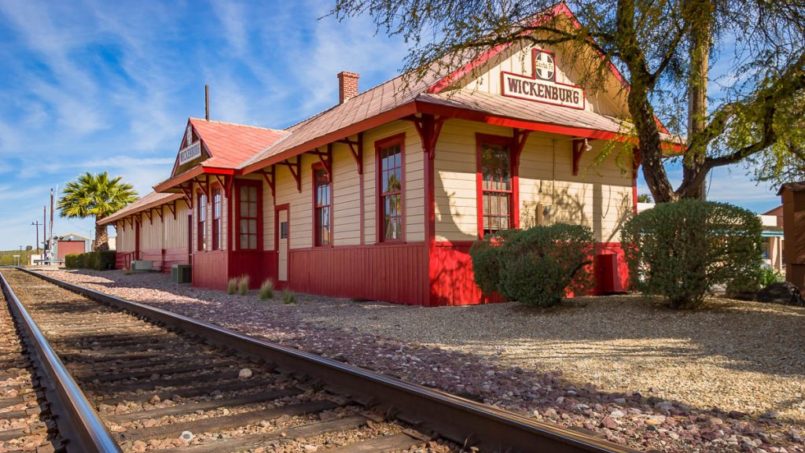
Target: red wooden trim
(188,194)
(361,186)
(216,244)
(148,214)
(172,208)
(369,123)
(259,190)
(277,209)
(429,129)
(325,158)
(313,167)
(296,171)
(514,210)
(399,139)
(479,61)
(219,171)
(201,227)
(270,176)
(161,212)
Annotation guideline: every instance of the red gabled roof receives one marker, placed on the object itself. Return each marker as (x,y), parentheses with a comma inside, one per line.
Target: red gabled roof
(231,144)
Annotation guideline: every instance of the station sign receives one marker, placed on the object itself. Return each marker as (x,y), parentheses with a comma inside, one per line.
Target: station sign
(190,153)
(541,86)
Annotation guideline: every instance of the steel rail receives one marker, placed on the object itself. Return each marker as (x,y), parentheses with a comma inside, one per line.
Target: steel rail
(458,419)
(80,428)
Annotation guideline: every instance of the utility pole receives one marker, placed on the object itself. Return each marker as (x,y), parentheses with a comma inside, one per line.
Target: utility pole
(44,230)
(37,235)
(51,218)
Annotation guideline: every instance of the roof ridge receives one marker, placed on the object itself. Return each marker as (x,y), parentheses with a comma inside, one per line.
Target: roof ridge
(230,123)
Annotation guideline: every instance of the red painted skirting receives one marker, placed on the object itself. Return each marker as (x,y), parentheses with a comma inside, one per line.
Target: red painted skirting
(259,266)
(452,281)
(210,269)
(390,272)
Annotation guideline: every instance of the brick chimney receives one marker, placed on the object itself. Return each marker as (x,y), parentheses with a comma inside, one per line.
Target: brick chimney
(347,86)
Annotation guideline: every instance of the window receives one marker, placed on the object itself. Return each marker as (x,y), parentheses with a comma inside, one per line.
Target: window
(200,222)
(217,210)
(322,209)
(248,218)
(496,186)
(391,190)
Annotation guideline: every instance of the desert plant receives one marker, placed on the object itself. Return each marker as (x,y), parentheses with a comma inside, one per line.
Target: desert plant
(243,285)
(232,286)
(681,250)
(288,297)
(267,290)
(769,276)
(534,266)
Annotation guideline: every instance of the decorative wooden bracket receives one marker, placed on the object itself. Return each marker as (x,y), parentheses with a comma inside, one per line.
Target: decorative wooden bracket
(326,159)
(296,171)
(519,138)
(188,194)
(172,208)
(356,148)
(150,218)
(429,128)
(579,147)
(205,186)
(270,176)
(161,213)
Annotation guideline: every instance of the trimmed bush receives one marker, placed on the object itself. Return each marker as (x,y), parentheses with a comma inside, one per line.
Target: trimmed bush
(99,261)
(534,266)
(267,290)
(682,250)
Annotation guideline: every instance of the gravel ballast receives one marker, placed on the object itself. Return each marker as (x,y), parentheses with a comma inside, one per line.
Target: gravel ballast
(729,377)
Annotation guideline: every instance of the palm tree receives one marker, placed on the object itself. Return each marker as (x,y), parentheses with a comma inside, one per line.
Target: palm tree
(96,195)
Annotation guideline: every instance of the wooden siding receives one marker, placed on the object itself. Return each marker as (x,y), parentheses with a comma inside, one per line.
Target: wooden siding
(346,197)
(393,273)
(600,196)
(175,230)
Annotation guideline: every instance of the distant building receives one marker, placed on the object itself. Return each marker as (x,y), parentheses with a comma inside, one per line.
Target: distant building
(70,244)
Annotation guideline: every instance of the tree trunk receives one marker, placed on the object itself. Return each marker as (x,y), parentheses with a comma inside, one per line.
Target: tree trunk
(700,14)
(101,238)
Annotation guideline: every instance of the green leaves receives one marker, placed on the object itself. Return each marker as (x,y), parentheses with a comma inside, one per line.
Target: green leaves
(95,195)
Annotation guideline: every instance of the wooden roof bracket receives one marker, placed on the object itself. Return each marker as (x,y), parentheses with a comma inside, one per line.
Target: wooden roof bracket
(161,213)
(150,217)
(296,171)
(172,207)
(356,149)
(225,183)
(429,127)
(519,138)
(580,145)
(326,159)
(270,176)
(205,186)
(188,194)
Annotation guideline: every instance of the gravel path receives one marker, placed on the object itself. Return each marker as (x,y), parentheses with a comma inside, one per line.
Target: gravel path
(730,377)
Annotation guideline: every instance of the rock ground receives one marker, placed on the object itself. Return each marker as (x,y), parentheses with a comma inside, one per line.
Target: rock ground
(729,377)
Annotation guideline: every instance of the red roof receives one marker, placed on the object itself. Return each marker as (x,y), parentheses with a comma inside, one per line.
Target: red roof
(231,144)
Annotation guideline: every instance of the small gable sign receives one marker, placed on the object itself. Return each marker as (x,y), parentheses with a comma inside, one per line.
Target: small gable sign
(541,86)
(190,153)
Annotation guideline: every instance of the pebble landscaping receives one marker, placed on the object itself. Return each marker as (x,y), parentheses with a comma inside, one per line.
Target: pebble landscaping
(542,388)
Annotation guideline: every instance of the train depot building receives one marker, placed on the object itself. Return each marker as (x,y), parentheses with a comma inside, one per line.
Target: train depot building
(381,196)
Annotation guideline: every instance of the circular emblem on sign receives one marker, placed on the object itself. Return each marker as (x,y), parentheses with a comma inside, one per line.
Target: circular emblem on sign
(544,66)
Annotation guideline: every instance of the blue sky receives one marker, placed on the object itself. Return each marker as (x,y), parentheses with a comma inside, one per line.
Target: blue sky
(93,85)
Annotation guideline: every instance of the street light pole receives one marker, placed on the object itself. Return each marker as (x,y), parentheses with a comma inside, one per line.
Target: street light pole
(37,235)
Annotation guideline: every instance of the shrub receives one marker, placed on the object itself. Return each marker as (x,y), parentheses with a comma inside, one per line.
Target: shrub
(681,250)
(100,261)
(232,286)
(534,266)
(243,285)
(267,290)
(288,297)
(769,276)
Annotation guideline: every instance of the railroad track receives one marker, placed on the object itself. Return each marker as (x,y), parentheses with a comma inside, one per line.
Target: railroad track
(160,381)
(24,417)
